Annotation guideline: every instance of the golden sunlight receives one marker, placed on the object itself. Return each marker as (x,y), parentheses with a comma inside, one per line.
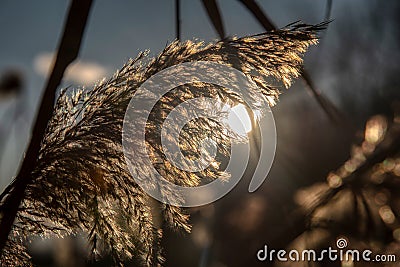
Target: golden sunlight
(239,119)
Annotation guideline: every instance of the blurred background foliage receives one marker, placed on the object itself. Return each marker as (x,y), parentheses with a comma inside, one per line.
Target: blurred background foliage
(328,180)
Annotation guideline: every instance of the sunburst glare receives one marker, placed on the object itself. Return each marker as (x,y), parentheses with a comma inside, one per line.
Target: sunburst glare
(239,120)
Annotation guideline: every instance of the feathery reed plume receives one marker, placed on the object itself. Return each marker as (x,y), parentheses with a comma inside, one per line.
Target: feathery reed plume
(81,181)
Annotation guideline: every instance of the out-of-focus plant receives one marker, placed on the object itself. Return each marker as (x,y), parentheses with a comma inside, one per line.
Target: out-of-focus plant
(11,83)
(360,200)
(81,181)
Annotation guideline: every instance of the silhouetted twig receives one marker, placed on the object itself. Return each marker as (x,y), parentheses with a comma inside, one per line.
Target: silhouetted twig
(214,14)
(254,8)
(178,19)
(328,10)
(330,109)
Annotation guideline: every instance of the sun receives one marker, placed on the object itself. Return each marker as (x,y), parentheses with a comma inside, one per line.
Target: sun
(239,119)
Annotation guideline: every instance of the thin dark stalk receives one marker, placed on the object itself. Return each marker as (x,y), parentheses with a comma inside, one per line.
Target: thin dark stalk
(330,109)
(178,19)
(214,14)
(328,10)
(254,8)
(255,138)
(67,53)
